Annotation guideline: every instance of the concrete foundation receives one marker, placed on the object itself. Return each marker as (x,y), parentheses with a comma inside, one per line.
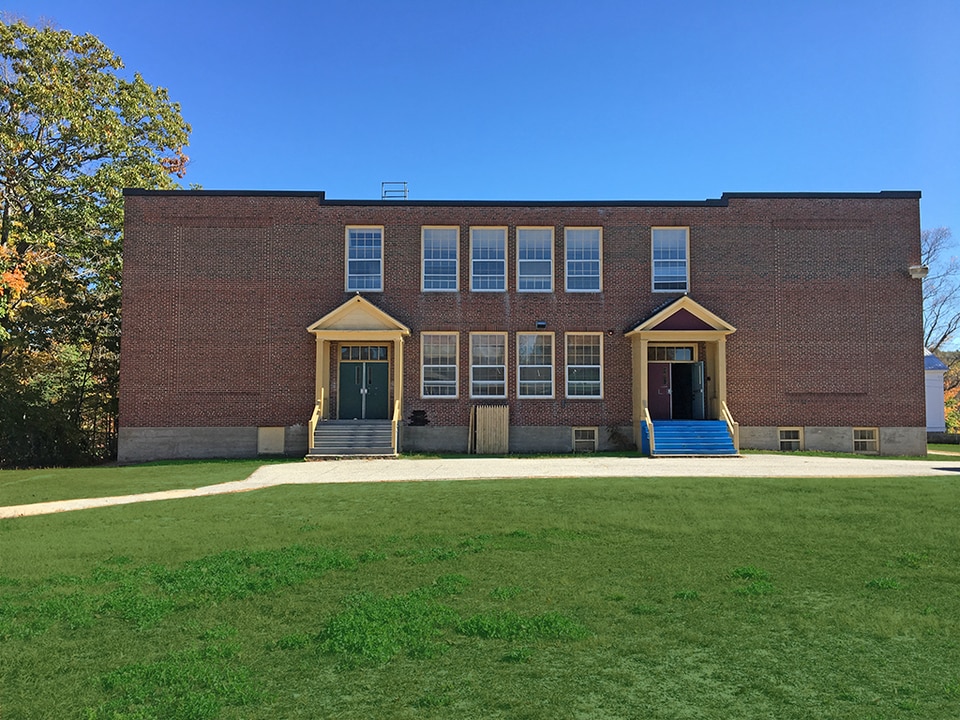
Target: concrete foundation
(523,439)
(893,440)
(143,444)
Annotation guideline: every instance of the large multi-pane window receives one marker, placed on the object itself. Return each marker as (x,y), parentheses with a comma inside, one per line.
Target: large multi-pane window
(535,365)
(584,365)
(670,250)
(582,247)
(440,258)
(365,258)
(488,365)
(439,364)
(488,259)
(535,259)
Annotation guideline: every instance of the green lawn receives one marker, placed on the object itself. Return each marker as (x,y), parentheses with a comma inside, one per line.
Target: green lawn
(585,598)
(21,487)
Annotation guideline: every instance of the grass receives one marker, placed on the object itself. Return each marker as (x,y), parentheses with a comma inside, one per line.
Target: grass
(566,598)
(21,487)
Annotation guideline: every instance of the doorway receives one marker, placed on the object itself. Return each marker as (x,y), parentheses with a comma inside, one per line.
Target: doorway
(364,390)
(676,390)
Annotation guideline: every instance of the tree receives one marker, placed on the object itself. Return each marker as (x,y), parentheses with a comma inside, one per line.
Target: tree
(74,131)
(941,289)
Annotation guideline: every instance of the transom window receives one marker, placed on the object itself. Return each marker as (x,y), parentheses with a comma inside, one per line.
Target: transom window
(535,365)
(670,248)
(488,365)
(663,353)
(582,247)
(488,259)
(439,364)
(365,258)
(535,259)
(440,258)
(584,365)
(363,352)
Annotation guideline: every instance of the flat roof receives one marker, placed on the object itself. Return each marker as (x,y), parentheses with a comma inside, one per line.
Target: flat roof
(722,201)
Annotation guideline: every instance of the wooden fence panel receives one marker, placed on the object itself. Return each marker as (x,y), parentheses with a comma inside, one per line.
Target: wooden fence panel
(491,429)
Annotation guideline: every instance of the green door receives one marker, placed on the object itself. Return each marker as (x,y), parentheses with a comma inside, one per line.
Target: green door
(364,390)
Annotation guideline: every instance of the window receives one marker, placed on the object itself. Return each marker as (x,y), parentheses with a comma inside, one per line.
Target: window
(582,247)
(790,438)
(584,365)
(365,258)
(438,355)
(584,439)
(488,259)
(535,259)
(671,272)
(440,258)
(488,365)
(535,365)
(865,440)
(663,353)
(363,352)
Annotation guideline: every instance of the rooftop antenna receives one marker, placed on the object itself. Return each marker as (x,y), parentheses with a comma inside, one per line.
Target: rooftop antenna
(393,190)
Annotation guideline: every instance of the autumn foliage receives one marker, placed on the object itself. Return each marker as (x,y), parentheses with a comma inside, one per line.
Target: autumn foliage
(74,131)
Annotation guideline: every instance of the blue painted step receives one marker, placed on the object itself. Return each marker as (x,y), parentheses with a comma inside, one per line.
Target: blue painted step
(692,437)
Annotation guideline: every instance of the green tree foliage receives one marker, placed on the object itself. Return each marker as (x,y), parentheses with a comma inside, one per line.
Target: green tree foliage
(75,129)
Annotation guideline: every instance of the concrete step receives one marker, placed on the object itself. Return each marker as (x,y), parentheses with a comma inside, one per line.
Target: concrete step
(341,438)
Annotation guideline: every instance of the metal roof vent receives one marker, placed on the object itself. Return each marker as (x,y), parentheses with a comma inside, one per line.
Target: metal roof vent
(393,191)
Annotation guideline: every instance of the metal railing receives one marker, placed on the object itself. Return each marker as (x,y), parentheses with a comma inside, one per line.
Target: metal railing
(733,427)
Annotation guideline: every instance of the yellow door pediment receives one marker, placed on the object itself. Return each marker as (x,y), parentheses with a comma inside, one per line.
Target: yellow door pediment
(358,315)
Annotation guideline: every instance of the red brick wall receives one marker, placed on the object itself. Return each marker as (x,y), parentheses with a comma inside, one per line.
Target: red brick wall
(219,290)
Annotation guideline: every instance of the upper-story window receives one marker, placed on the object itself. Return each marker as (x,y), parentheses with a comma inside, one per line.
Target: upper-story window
(582,247)
(440,269)
(488,259)
(535,259)
(365,258)
(671,251)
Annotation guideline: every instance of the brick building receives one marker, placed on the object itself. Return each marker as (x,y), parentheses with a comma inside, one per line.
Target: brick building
(250,318)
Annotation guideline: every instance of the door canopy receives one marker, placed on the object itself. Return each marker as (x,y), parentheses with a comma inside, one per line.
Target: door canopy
(682,318)
(358,319)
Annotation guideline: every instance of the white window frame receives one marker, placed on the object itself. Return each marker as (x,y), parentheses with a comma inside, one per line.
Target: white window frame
(474,337)
(473,260)
(521,276)
(424,259)
(455,365)
(568,261)
(655,262)
(568,366)
(347,259)
(594,431)
(521,383)
(781,439)
(873,440)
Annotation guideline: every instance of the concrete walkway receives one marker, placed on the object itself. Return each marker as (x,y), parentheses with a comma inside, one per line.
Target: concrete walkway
(483,468)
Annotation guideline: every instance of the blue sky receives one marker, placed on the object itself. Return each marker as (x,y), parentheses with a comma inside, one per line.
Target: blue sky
(524,99)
